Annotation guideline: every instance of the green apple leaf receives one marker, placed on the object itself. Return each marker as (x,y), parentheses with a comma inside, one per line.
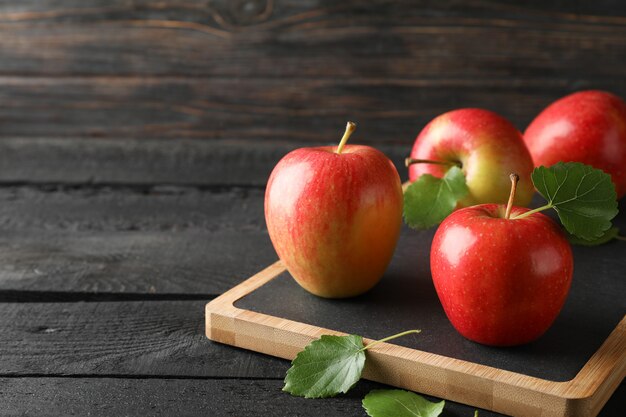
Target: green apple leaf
(326,367)
(609,235)
(399,403)
(330,365)
(429,200)
(583,197)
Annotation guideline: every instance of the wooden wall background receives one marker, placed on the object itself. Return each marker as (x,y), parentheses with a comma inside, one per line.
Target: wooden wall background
(250,79)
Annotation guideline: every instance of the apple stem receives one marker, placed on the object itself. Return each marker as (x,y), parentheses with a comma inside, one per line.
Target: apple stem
(509,205)
(620,237)
(410,161)
(533,211)
(350,128)
(386,339)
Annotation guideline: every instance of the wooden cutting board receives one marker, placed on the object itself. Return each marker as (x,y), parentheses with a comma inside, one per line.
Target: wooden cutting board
(571,371)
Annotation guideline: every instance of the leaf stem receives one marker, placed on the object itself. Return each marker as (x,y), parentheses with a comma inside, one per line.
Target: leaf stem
(514,179)
(537,210)
(386,339)
(619,237)
(350,128)
(410,161)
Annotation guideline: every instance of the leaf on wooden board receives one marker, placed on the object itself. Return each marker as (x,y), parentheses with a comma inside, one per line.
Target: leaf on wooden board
(326,367)
(400,403)
(429,200)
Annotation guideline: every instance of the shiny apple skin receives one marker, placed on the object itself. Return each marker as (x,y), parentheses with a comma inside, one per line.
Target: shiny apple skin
(587,127)
(489,147)
(501,282)
(334,219)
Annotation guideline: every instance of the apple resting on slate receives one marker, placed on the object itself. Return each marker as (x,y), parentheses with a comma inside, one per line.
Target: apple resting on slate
(484,145)
(334,216)
(502,280)
(588,127)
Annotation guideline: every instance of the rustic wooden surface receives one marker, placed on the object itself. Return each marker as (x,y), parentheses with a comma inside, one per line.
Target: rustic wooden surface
(135,141)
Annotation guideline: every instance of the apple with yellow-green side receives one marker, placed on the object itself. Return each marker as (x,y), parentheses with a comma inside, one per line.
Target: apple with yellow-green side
(484,145)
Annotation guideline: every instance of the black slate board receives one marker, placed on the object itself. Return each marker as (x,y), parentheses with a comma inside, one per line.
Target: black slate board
(406,299)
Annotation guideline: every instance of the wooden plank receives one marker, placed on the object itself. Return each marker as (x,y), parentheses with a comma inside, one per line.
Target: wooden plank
(160,263)
(155,240)
(158,241)
(389,111)
(147,162)
(292,70)
(142,338)
(287,38)
(197,397)
(150,208)
(168,397)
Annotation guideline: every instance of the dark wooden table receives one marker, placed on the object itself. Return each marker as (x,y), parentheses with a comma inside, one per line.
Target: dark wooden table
(136,139)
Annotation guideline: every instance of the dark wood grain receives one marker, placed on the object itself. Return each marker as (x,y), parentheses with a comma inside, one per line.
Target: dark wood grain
(155,338)
(169,397)
(303,109)
(160,263)
(243,163)
(319,38)
(216,398)
(158,240)
(150,208)
(291,70)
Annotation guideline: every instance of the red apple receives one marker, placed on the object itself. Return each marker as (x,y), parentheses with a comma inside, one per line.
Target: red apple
(485,145)
(502,281)
(587,127)
(334,216)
